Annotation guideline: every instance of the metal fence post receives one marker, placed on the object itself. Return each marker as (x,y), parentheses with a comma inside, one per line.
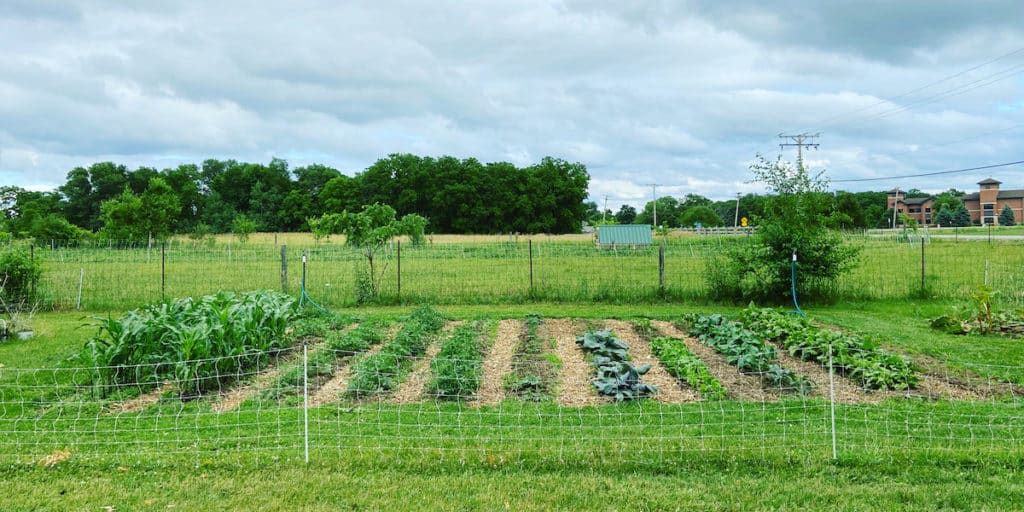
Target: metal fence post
(832,400)
(163,271)
(398,258)
(305,400)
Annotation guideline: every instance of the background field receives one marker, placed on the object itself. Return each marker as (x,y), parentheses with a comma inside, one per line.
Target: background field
(500,270)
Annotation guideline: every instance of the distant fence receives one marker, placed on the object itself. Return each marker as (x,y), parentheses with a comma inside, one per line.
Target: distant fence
(111,275)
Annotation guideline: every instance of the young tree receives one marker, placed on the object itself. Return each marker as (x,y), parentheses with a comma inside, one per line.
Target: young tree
(370,230)
(1006,217)
(795,220)
(961,217)
(944,217)
(242,226)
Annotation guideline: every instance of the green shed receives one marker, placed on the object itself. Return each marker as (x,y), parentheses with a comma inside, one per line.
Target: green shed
(624,234)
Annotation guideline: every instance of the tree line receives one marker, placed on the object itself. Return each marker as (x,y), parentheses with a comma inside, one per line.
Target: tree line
(108,200)
(842,210)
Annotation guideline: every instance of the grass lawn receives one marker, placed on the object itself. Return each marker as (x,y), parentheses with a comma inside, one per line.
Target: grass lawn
(908,455)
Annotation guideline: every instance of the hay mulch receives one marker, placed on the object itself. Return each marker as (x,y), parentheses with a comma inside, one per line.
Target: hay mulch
(498,363)
(575,388)
(411,389)
(670,389)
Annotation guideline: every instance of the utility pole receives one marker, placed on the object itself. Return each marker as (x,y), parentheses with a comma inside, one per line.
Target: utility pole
(654,194)
(798,141)
(736,222)
(605,210)
(895,203)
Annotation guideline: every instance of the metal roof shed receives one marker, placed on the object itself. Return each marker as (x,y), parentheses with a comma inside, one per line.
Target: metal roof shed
(624,234)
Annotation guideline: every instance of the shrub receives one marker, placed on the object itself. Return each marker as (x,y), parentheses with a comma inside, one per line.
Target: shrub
(796,219)
(19,277)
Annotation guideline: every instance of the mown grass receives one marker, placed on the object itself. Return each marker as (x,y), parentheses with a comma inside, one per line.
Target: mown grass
(722,455)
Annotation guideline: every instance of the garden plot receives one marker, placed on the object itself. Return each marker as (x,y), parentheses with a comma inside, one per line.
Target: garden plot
(737,385)
(669,388)
(498,363)
(575,388)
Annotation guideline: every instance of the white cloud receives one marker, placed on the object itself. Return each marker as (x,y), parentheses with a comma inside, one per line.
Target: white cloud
(678,93)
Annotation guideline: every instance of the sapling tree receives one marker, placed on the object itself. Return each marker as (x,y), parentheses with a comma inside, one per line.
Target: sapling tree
(1006,217)
(796,218)
(370,230)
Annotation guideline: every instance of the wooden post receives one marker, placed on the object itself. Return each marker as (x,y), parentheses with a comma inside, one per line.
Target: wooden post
(530,244)
(284,269)
(922,266)
(661,267)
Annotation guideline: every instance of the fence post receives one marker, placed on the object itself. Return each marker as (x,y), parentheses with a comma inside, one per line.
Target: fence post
(398,257)
(661,267)
(163,271)
(305,399)
(832,399)
(530,244)
(922,267)
(81,278)
(284,269)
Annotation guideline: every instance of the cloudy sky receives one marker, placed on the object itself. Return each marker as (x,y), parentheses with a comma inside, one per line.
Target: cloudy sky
(679,93)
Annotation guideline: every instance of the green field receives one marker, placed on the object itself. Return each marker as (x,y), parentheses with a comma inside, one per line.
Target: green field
(716,455)
(484,271)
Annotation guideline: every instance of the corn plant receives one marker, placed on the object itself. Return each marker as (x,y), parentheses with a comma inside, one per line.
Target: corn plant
(198,343)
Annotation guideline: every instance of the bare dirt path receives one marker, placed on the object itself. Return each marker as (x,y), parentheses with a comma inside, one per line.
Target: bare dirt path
(670,389)
(498,363)
(737,385)
(411,389)
(575,388)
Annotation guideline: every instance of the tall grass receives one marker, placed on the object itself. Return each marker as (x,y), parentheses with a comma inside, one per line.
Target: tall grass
(500,272)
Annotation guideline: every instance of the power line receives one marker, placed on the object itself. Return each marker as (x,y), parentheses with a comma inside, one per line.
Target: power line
(954,171)
(831,121)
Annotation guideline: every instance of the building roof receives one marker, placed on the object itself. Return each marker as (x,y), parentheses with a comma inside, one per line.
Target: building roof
(1003,194)
(894,191)
(918,200)
(989,181)
(624,234)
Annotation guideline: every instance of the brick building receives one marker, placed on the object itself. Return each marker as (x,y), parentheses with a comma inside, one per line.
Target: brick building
(985,205)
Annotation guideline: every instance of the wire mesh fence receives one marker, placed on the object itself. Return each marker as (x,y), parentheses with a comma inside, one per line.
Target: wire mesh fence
(306,403)
(117,276)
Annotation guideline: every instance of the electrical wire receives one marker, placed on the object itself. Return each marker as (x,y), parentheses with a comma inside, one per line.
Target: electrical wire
(954,171)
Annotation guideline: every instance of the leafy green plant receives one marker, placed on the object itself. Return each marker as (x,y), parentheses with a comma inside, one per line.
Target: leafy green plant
(458,367)
(383,372)
(748,352)
(685,366)
(854,356)
(534,369)
(198,343)
(19,278)
(616,377)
